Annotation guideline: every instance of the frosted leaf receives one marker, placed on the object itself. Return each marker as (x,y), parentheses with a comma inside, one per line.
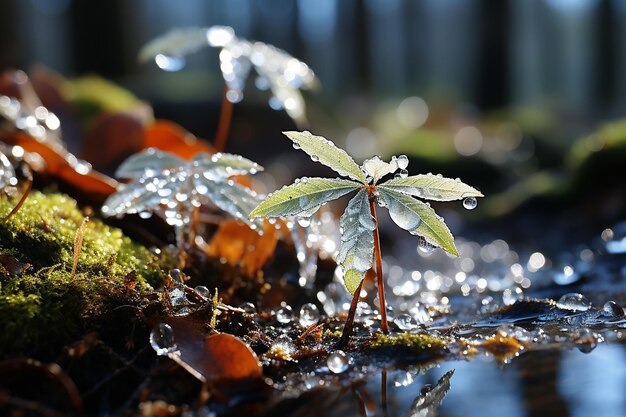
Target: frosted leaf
(377,168)
(328,154)
(146,163)
(222,165)
(406,212)
(234,199)
(283,74)
(356,249)
(176,42)
(301,197)
(172,187)
(432,187)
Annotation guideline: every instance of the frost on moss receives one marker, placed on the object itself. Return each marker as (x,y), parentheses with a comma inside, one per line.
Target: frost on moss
(44,308)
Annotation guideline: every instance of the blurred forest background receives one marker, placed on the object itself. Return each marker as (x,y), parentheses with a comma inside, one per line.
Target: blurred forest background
(511,95)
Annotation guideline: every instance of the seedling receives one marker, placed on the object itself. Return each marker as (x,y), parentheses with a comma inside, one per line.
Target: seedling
(360,243)
(173,188)
(276,70)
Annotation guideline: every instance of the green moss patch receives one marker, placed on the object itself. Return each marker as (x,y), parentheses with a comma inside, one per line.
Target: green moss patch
(45,308)
(410,341)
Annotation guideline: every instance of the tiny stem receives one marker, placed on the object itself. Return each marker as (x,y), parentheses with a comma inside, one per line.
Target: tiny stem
(379,270)
(347,328)
(29,186)
(226,116)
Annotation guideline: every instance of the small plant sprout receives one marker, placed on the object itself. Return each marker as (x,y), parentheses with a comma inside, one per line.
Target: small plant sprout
(360,244)
(276,70)
(173,188)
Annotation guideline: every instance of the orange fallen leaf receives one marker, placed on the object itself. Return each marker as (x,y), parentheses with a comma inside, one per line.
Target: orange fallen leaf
(171,137)
(242,246)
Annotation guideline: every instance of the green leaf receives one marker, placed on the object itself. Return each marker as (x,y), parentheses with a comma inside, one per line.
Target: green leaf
(356,249)
(418,218)
(302,196)
(324,151)
(432,187)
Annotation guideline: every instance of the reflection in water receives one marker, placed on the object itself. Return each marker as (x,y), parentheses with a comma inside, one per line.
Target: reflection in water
(427,403)
(594,385)
(539,379)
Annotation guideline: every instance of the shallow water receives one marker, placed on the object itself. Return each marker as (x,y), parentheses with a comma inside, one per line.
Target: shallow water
(550,383)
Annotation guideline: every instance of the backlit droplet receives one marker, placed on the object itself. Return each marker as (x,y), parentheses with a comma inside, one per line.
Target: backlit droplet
(315,158)
(574,301)
(202,290)
(612,309)
(424,246)
(309,314)
(296,145)
(402,161)
(284,315)
(405,322)
(470,203)
(162,339)
(338,362)
(249,308)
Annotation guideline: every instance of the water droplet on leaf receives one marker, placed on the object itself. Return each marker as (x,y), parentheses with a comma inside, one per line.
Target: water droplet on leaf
(162,339)
(574,301)
(402,161)
(470,203)
(249,308)
(202,290)
(338,362)
(425,246)
(612,309)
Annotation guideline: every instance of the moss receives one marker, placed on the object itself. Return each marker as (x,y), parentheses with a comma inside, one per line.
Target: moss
(46,308)
(414,342)
(42,233)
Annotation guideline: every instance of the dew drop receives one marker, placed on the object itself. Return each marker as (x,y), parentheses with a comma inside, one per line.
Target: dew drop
(284,315)
(248,308)
(338,362)
(309,314)
(402,161)
(202,290)
(574,301)
(425,246)
(315,158)
(470,203)
(405,322)
(296,145)
(612,309)
(162,339)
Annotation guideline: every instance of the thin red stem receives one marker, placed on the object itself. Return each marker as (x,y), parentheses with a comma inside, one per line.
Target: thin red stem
(223,126)
(379,271)
(29,186)
(347,328)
